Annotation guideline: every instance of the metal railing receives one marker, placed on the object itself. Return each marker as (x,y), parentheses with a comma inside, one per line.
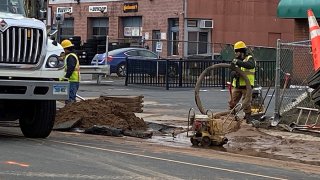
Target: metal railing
(171,73)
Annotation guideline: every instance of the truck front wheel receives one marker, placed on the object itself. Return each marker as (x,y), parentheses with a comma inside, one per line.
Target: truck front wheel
(37,119)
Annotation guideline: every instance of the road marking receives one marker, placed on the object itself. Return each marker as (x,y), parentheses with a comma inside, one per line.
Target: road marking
(168,160)
(16,163)
(68,176)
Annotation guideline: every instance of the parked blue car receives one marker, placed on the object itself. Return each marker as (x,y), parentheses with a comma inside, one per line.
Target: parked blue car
(117,58)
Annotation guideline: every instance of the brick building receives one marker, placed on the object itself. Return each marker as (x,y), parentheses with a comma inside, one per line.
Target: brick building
(185,27)
(253,21)
(134,20)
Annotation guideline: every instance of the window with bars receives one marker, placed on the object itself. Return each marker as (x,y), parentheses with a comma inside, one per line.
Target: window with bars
(67,29)
(198,43)
(100,27)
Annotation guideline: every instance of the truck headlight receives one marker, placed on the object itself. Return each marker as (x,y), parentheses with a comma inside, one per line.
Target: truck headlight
(53,62)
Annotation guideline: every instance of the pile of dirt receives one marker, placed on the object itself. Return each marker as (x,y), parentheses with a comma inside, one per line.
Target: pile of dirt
(102,112)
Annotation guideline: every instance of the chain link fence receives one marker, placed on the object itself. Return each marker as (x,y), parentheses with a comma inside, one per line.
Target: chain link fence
(294,65)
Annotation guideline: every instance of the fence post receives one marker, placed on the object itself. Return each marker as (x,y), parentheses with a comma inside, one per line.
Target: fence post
(107,46)
(223,76)
(180,64)
(277,83)
(167,77)
(127,72)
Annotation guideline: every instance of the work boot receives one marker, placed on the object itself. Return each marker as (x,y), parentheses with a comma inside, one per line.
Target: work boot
(248,118)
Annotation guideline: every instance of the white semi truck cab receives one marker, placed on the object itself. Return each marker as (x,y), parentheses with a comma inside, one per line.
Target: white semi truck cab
(30,68)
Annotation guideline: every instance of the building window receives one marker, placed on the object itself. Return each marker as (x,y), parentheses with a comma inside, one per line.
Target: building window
(132,26)
(173,45)
(174,22)
(192,23)
(198,43)
(132,30)
(203,43)
(67,29)
(100,27)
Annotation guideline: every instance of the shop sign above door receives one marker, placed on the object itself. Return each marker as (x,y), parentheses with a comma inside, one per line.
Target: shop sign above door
(102,9)
(130,7)
(62,10)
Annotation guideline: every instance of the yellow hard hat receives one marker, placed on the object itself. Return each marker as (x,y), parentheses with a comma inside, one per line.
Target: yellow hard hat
(239,45)
(66,43)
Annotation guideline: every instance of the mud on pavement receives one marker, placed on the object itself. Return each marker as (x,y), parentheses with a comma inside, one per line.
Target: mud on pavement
(274,144)
(243,139)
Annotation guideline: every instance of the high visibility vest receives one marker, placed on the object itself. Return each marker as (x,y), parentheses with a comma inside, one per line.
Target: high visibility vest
(249,72)
(75,76)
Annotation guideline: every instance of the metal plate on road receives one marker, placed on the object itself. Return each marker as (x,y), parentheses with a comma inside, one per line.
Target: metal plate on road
(60,89)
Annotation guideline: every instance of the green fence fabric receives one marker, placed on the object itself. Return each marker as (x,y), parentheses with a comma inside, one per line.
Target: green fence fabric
(259,53)
(293,9)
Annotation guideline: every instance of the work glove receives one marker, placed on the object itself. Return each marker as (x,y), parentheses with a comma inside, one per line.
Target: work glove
(233,65)
(63,79)
(234,61)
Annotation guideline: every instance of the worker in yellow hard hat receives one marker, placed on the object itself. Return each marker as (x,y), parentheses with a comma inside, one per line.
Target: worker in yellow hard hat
(247,64)
(72,69)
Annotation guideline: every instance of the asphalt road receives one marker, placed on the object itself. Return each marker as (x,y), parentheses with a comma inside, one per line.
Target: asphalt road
(80,156)
(173,102)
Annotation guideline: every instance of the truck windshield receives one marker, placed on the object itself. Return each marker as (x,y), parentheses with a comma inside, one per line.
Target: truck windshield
(12,6)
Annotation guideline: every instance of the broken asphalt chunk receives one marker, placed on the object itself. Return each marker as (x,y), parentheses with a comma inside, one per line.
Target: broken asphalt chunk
(104,130)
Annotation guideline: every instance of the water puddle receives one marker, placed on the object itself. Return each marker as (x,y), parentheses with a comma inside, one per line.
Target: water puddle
(248,141)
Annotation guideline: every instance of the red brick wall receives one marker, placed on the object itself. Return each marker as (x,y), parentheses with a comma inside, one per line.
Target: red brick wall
(154,14)
(247,20)
(301,30)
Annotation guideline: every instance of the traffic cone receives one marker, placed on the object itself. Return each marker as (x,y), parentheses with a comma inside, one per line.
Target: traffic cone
(315,39)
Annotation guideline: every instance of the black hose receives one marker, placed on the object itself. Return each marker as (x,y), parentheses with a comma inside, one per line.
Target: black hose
(221,65)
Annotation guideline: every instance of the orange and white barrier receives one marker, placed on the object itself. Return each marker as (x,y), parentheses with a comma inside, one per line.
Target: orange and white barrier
(315,39)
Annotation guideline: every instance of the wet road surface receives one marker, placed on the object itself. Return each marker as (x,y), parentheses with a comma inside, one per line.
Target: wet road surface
(80,156)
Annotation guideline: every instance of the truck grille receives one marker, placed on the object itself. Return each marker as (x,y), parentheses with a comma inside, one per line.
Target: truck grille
(20,45)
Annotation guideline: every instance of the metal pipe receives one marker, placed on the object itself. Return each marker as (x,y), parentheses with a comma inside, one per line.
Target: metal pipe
(277,87)
(81,98)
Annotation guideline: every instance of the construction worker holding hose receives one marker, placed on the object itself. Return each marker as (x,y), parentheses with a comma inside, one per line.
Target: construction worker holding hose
(72,69)
(247,64)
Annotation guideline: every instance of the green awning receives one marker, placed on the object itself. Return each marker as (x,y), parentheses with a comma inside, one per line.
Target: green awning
(298,8)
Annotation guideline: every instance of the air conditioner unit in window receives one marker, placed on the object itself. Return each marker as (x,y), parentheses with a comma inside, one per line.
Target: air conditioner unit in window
(206,24)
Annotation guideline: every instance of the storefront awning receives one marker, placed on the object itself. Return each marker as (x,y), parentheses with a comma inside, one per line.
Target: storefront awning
(298,8)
